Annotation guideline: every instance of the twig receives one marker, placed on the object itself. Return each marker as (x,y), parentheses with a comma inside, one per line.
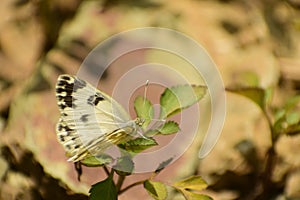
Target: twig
(120,182)
(270,162)
(106,170)
(131,185)
(270,124)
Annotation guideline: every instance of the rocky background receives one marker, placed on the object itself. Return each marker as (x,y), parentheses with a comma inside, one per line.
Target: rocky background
(250,41)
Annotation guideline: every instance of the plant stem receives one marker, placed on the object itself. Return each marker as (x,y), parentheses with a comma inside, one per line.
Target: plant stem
(106,170)
(270,163)
(271,155)
(120,182)
(270,124)
(131,185)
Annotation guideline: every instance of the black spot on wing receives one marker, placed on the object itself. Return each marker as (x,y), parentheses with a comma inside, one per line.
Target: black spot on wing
(65,77)
(68,101)
(65,88)
(62,106)
(59,127)
(69,83)
(98,98)
(93,100)
(90,100)
(66,128)
(59,90)
(84,118)
(62,138)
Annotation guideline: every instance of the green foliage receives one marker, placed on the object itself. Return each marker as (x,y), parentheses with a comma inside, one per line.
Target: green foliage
(157,190)
(287,118)
(177,98)
(190,187)
(169,127)
(138,145)
(173,100)
(144,110)
(191,183)
(124,166)
(291,103)
(283,120)
(195,196)
(96,161)
(247,78)
(255,94)
(104,190)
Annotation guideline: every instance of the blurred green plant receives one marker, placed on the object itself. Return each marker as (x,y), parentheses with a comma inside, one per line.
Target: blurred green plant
(173,100)
(282,120)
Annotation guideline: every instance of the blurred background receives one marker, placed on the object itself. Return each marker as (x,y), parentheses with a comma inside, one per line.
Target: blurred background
(253,43)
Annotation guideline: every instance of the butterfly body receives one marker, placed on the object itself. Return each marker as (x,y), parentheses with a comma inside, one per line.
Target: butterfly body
(91,121)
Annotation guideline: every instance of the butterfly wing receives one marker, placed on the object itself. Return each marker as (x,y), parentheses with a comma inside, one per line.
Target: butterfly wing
(90,121)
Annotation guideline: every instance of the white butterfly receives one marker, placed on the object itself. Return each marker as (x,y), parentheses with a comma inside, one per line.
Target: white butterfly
(91,121)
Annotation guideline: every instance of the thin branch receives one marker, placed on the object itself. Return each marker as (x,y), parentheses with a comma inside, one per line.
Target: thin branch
(272,132)
(131,185)
(120,182)
(112,171)
(106,170)
(270,161)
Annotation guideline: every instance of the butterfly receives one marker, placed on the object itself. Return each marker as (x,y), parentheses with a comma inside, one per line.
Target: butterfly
(91,121)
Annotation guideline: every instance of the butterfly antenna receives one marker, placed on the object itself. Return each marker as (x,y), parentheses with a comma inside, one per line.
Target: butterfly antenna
(145,92)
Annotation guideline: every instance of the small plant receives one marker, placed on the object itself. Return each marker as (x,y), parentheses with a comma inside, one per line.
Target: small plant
(282,120)
(172,101)
(74,100)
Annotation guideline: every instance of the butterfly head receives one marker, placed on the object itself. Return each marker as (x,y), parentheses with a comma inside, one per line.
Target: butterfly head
(139,121)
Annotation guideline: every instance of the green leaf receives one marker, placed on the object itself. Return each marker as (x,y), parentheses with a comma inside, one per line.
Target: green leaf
(96,161)
(269,93)
(195,196)
(138,144)
(144,110)
(257,95)
(169,127)
(157,190)
(279,126)
(177,98)
(163,164)
(124,166)
(191,183)
(292,118)
(104,190)
(291,103)
(287,123)
(247,79)
(287,120)
(279,114)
